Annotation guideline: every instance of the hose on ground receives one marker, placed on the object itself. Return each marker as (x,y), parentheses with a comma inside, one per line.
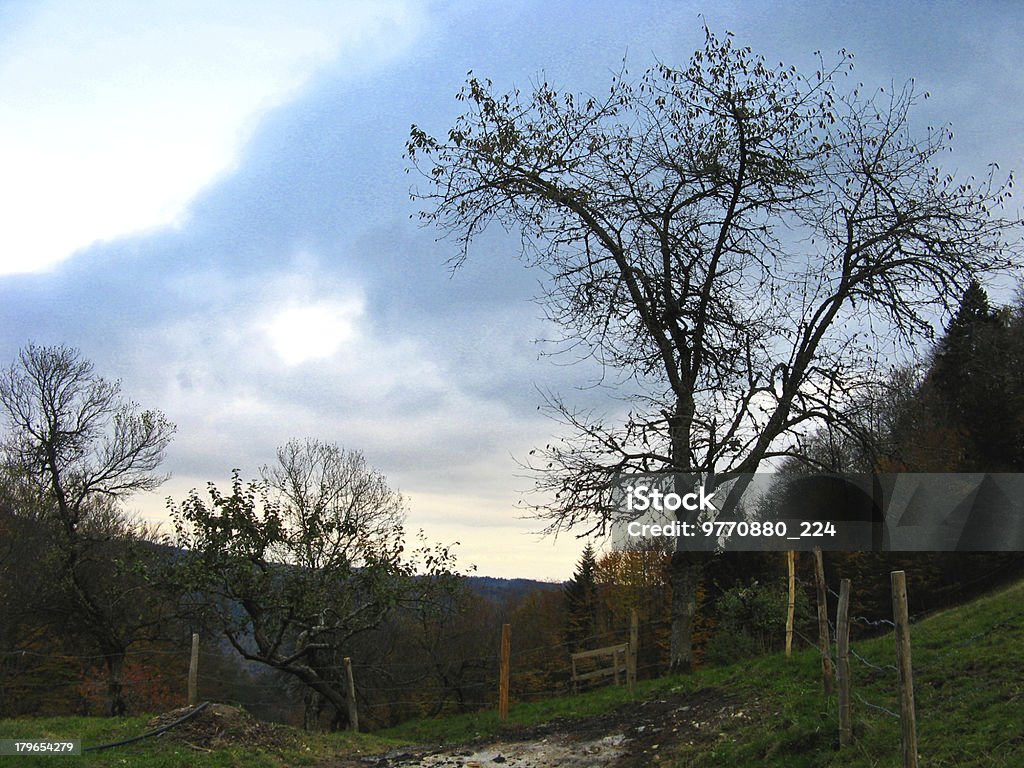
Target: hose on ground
(156,732)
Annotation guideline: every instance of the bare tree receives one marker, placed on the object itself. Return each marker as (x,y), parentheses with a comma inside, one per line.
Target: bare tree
(77,449)
(338,507)
(740,242)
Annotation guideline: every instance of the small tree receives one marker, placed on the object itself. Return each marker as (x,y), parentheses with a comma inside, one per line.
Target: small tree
(635,577)
(581,601)
(739,242)
(74,448)
(293,568)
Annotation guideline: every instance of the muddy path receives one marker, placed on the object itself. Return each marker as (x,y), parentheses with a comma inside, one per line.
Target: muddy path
(632,736)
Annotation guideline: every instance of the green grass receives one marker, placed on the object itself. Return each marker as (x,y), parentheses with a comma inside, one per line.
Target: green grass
(968,686)
(310,749)
(477,725)
(969,689)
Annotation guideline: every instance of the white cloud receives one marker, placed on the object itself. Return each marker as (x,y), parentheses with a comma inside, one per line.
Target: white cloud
(116,114)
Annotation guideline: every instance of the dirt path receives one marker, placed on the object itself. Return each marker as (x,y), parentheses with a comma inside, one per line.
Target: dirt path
(629,737)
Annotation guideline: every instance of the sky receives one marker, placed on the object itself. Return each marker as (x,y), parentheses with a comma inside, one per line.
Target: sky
(211,202)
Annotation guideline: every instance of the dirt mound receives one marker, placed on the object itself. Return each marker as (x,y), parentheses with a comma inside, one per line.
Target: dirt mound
(220,725)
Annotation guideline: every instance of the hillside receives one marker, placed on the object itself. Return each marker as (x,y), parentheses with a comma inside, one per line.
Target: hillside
(969,690)
(969,685)
(507,590)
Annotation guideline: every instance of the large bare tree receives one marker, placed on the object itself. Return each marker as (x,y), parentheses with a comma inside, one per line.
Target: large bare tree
(741,242)
(76,448)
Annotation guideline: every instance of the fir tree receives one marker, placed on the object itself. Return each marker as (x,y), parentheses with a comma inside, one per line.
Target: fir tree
(976,383)
(581,600)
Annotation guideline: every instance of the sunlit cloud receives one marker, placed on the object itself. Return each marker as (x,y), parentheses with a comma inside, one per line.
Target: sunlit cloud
(116,115)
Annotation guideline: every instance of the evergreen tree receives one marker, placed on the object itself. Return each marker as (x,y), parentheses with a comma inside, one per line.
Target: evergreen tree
(581,601)
(958,367)
(976,383)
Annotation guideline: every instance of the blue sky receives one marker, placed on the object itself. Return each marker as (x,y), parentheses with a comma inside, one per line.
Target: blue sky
(213,206)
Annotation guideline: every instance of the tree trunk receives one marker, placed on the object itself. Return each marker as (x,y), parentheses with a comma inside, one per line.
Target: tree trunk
(685,567)
(322,692)
(314,705)
(116,705)
(684,577)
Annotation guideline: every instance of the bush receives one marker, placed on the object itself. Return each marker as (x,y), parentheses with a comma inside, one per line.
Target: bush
(751,621)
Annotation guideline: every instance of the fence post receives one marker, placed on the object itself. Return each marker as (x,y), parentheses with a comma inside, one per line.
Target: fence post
(634,640)
(193,672)
(791,613)
(843,659)
(506,648)
(824,645)
(353,714)
(905,672)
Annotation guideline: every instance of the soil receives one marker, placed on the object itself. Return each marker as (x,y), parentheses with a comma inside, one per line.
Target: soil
(220,725)
(632,736)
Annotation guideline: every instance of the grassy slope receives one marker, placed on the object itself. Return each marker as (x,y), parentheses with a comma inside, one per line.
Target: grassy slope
(969,686)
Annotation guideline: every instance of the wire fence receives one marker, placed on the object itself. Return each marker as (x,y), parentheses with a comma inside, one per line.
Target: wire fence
(158,677)
(879,688)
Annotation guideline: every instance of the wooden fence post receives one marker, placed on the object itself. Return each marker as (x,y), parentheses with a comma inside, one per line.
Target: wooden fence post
(634,640)
(353,714)
(193,672)
(791,613)
(506,649)
(843,660)
(824,645)
(905,672)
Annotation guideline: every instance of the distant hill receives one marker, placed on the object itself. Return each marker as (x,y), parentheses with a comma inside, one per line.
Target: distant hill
(488,587)
(500,590)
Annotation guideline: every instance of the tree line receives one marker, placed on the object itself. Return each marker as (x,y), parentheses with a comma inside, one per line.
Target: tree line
(283,575)
(292,569)
(957,408)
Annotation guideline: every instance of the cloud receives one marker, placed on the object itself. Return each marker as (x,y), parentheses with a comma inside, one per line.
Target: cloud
(116,115)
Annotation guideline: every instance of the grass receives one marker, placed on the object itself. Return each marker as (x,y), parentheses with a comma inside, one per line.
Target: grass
(479,725)
(968,686)
(969,690)
(311,749)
